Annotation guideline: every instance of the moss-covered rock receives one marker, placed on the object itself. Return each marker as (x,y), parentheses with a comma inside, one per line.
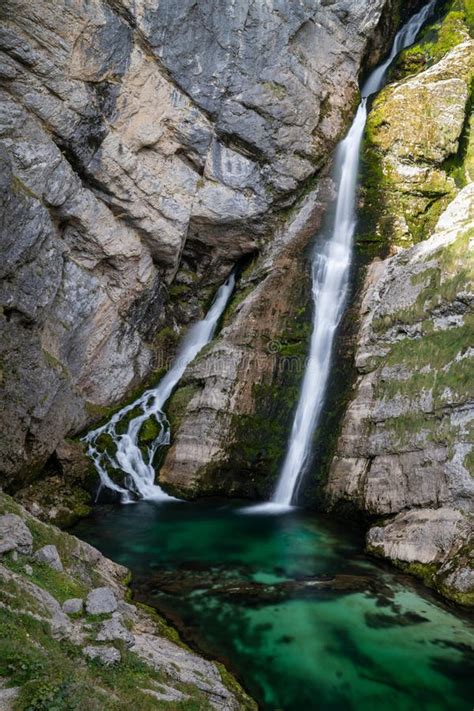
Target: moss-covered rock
(417,150)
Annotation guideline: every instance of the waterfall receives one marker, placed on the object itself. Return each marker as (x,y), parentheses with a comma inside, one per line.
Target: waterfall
(128,457)
(330,275)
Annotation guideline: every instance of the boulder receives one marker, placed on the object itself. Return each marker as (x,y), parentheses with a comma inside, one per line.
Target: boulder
(15,535)
(50,556)
(112,630)
(73,606)
(425,536)
(101,601)
(105,655)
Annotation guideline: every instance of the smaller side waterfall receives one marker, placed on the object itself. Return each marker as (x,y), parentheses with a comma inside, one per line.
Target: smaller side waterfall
(128,457)
(330,276)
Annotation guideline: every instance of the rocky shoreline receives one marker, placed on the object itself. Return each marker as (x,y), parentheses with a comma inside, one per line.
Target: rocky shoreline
(68,608)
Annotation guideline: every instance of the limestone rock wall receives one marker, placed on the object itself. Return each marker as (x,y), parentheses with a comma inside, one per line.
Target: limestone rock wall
(144,148)
(405,450)
(406,439)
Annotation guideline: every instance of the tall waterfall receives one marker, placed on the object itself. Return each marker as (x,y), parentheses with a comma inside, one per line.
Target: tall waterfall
(128,457)
(330,275)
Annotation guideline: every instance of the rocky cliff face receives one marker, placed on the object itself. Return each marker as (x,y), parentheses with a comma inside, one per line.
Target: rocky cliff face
(145,148)
(404,453)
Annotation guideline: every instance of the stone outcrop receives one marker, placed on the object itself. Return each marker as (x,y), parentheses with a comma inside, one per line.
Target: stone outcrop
(144,149)
(435,544)
(47,634)
(238,395)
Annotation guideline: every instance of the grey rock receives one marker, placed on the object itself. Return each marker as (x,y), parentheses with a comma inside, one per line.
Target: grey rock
(126,610)
(421,536)
(8,697)
(73,606)
(101,601)
(28,569)
(105,655)
(166,693)
(185,666)
(49,555)
(15,535)
(113,629)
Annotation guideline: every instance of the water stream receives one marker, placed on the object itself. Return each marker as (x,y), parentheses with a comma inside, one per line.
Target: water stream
(330,275)
(128,457)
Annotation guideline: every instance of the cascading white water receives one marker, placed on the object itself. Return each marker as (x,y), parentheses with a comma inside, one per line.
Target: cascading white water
(138,469)
(330,276)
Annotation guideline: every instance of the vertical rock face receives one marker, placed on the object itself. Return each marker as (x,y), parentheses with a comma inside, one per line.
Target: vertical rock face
(405,448)
(144,148)
(406,437)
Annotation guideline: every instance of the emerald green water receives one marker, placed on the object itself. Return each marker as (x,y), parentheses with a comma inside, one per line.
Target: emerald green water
(293,606)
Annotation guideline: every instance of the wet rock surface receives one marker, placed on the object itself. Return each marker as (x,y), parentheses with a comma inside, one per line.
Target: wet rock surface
(415,127)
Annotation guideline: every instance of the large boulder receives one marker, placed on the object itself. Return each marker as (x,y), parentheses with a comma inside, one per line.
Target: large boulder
(415,127)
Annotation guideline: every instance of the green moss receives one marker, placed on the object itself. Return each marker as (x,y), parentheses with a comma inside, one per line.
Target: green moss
(452,275)
(178,403)
(455,26)
(239,296)
(424,571)
(244,701)
(278,90)
(392,212)
(149,431)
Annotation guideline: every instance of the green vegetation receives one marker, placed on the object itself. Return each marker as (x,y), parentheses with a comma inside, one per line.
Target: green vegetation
(60,585)
(456,25)
(53,675)
(399,209)
(178,403)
